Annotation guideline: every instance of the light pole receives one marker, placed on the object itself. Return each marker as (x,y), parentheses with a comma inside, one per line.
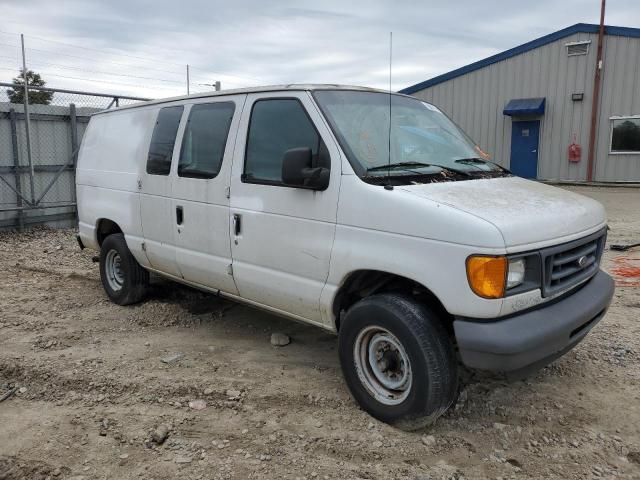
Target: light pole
(214,85)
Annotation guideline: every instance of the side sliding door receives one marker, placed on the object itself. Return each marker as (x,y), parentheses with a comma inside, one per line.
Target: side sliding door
(200,189)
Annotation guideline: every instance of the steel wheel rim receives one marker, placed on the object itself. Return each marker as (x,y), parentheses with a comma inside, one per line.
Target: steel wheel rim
(113,270)
(383,365)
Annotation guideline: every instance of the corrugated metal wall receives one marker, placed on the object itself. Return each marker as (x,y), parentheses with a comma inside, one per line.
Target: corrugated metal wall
(475,101)
(51,149)
(620,97)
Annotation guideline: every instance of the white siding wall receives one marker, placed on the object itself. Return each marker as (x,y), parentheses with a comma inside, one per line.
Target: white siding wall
(476,100)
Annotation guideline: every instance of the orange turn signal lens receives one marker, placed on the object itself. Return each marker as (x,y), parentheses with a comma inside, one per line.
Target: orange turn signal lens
(487,275)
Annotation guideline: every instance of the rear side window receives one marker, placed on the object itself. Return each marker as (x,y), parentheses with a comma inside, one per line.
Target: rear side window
(205,137)
(163,139)
(276,126)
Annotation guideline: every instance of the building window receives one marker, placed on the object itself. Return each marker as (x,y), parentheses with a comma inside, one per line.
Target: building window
(578,48)
(163,139)
(625,134)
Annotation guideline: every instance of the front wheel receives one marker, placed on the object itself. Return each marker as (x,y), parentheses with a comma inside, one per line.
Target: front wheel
(398,361)
(123,279)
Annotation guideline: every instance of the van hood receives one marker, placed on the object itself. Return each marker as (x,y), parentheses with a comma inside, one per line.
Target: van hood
(525,212)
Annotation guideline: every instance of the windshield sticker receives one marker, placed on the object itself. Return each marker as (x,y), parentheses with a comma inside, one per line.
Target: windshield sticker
(482,153)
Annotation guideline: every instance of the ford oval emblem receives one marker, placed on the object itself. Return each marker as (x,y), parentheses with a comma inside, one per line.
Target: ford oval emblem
(582,261)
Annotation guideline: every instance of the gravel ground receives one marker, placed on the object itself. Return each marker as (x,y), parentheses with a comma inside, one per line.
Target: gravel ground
(98,386)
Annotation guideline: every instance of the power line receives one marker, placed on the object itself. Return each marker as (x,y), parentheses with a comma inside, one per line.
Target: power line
(9,34)
(96,71)
(107,61)
(202,69)
(81,47)
(82,69)
(119,54)
(85,79)
(146,59)
(128,65)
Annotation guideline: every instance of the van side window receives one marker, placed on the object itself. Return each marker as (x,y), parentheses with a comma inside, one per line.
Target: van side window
(205,137)
(163,140)
(276,126)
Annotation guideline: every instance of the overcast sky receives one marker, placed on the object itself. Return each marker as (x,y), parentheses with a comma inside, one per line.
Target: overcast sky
(107,46)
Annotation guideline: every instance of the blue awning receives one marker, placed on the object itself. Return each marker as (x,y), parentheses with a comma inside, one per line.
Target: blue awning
(524,106)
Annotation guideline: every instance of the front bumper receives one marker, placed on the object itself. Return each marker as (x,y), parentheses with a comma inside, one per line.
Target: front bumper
(530,340)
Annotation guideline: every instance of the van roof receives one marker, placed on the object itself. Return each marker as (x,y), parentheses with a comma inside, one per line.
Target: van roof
(237,91)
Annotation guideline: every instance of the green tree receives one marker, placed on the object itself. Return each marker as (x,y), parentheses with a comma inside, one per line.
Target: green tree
(16,93)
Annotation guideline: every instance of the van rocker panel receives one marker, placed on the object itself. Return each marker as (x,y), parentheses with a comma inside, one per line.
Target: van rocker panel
(534,338)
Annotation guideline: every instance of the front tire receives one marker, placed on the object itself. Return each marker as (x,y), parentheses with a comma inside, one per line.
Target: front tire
(123,279)
(398,360)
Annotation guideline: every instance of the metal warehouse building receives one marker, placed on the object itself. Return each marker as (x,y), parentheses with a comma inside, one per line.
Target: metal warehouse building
(530,107)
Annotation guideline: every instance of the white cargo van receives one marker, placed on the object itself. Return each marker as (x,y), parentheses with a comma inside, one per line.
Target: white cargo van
(367,214)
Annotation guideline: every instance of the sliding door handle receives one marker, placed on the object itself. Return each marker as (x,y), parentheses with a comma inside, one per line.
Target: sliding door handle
(237,224)
(179,215)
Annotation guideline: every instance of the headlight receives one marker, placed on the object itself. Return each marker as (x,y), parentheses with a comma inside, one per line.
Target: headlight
(491,276)
(515,275)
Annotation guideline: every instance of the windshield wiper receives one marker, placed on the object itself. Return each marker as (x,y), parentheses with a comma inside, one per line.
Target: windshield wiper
(479,161)
(471,160)
(417,164)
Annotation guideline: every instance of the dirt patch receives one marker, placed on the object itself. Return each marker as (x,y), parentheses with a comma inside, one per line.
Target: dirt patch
(91,387)
(17,468)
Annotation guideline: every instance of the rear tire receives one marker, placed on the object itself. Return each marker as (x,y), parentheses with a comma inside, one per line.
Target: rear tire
(398,360)
(124,280)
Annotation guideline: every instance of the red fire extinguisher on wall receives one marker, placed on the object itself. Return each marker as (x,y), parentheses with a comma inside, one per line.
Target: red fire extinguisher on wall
(575,151)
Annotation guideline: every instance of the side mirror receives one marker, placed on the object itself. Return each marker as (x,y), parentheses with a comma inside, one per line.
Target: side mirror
(298,172)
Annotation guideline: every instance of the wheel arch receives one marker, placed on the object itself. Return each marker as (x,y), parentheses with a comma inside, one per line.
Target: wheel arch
(363,283)
(104,228)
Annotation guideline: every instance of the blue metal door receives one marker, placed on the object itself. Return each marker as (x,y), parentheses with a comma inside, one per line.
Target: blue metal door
(524,148)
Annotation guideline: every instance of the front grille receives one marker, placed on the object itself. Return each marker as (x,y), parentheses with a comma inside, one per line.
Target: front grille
(569,264)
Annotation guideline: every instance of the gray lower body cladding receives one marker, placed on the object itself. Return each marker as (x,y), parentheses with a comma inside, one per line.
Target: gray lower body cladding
(536,337)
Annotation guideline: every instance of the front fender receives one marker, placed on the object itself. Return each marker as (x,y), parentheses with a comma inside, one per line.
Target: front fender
(436,265)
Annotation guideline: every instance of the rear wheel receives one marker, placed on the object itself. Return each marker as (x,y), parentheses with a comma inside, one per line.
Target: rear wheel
(124,280)
(398,360)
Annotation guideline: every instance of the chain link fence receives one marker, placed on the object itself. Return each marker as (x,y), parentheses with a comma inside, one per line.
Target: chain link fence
(39,143)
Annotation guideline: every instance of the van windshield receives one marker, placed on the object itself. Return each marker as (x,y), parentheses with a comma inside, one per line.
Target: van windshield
(421,141)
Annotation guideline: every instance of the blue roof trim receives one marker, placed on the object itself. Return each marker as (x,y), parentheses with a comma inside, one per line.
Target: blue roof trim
(524,106)
(525,47)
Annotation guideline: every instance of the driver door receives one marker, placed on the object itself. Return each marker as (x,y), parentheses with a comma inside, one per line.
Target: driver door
(281,236)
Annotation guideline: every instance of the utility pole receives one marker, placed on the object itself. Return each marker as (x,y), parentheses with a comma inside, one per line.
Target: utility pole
(27,120)
(595,98)
(187,79)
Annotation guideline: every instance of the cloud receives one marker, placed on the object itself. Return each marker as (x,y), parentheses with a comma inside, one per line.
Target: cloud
(108,46)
